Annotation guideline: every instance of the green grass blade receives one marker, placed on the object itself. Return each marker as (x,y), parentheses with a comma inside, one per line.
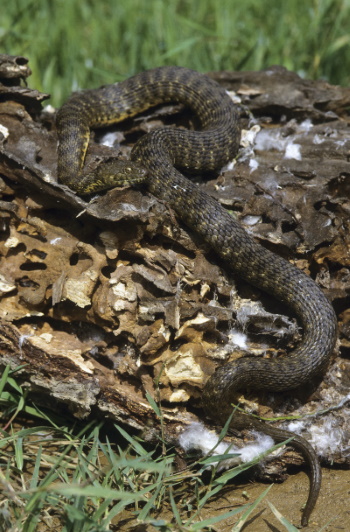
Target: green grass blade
(154,405)
(216,519)
(135,444)
(4,378)
(288,526)
(249,510)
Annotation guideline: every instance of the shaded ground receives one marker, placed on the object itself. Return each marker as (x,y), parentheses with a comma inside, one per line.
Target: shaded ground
(332,507)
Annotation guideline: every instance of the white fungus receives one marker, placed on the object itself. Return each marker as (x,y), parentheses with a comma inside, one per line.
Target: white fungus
(268,139)
(229,166)
(248,136)
(54,241)
(4,131)
(306,125)
(318,139)
(296,426)
(238,339)
(327,437)
(292,151)
(251,220)
(110,138)
(197,436)
(253,165)
(50,109)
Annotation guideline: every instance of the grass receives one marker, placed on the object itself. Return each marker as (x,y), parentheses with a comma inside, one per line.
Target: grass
(59,474)
(86,43)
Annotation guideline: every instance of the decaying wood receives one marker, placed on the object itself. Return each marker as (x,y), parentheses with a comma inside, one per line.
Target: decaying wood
(106,298)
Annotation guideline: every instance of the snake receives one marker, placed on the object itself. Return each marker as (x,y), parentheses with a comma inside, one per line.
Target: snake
(159,160)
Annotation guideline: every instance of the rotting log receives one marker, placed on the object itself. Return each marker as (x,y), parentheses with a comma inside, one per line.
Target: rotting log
(103,297)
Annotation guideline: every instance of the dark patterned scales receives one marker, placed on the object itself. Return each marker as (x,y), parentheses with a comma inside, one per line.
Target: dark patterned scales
(155,159)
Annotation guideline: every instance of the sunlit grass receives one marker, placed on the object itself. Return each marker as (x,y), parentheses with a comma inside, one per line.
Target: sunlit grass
(85,43)
(82,476)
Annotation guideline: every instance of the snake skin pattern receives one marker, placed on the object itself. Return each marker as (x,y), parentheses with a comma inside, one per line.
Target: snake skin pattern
(156,159)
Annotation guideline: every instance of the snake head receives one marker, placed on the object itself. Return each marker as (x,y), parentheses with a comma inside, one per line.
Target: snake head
(109,173)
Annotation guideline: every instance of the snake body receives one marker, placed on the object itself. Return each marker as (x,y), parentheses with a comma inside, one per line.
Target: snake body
(156,159)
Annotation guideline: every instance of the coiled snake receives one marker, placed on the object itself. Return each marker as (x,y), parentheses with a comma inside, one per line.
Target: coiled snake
(155,159)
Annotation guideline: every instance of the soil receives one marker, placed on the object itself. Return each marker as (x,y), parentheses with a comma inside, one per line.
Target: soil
(332,510)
